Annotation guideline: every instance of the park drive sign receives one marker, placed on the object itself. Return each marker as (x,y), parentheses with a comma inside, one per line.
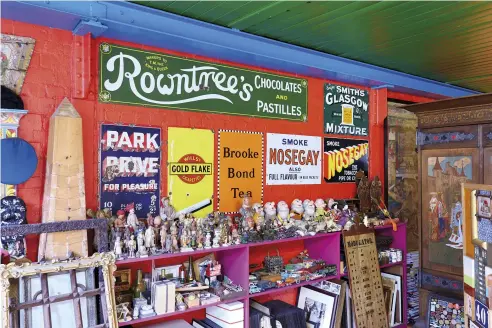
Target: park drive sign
(144,78)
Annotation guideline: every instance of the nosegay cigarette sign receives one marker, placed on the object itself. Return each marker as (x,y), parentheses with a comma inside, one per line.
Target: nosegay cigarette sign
(343,158)
(293,159)
(134,76)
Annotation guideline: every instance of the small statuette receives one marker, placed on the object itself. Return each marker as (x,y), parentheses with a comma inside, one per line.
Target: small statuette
(207,240)
(131,247)
(117,247)
(132,219)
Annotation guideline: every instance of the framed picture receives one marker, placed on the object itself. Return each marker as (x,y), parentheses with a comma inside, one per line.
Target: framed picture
(442,173)
(445,312)
(319,305)
(123,280)
(483,202)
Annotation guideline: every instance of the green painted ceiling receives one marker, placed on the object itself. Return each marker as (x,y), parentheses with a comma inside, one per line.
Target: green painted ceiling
(444,41)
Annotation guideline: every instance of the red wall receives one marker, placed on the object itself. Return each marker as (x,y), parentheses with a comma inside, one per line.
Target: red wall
(49,80)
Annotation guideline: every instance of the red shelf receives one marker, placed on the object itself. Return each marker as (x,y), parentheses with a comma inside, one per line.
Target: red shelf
(283,289)
(210,250)
(174,255)
(166,315)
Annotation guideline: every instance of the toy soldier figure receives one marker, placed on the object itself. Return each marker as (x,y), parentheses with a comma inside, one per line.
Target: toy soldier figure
(132,219)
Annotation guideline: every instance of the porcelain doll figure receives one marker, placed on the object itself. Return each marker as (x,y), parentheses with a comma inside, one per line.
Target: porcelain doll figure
(167,211)
(215,241)
(259,214)
(320,210)
(309,213)
(207,240)
(235,236)
(199,238)
(270,215)
(163,234)
(193,239)
(157,221)
(132,245)
(169,244)
(331,203)
(149,238)
(120,221)
(174,246)
(246,210)
(132,219)
(305,202)
(185,240)
(283,213)
(296,209)
(142,251)
(117,247)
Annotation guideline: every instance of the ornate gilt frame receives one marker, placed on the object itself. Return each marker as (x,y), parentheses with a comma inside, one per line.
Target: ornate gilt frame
(105,261)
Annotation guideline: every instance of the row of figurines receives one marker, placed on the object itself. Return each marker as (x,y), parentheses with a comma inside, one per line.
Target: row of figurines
(173,232)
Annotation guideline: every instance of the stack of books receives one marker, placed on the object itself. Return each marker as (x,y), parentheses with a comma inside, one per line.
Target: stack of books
(413,286)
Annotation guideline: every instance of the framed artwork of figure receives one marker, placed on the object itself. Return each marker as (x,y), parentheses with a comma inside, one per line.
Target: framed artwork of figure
(442,173)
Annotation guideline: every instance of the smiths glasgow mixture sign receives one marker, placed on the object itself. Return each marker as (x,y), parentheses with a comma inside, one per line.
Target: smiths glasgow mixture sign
(137,77)
(346,110)
(130,168)
(343,158)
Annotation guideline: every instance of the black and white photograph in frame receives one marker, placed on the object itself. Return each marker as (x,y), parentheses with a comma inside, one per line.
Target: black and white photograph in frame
(318,305)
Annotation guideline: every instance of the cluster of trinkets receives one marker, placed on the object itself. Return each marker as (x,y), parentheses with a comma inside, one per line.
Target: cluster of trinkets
(300,268)
(172,231)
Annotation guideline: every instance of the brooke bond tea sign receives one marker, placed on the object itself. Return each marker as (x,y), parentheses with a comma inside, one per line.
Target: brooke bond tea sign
(343,158)
(346,110)
(137,77)
(240,169)
(190,170)
(293,159)
(130,166)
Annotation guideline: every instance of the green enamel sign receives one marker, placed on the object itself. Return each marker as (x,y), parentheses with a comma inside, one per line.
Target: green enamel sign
(144,78)
(346,110)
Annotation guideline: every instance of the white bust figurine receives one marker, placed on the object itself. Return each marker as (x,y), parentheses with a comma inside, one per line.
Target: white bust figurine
(149,238)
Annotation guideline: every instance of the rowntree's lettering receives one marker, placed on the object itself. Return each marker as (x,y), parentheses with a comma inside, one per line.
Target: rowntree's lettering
(338,160)
(191,80)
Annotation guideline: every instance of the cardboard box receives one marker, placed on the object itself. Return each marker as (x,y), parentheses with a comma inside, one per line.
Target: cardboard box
(229,315)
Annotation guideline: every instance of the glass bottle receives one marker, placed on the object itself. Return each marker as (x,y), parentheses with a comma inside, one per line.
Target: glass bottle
(182,273)
(162,276)
(140,285)
(190,276)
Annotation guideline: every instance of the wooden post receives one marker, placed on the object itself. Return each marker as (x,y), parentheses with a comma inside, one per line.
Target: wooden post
(64,189)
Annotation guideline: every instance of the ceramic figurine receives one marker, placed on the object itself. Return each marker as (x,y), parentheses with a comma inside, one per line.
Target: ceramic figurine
(132,245)
(175,247)
(283,213)
(120,221)
(127,240)
(142,251)
(132,219)
(186,241)
(117,247)
(375,193)
(363,192)
(167,211)
(199,238)
(150,220)
(320,210)
(207,240)
(216,238)
(163,234)
(235,236)
(296,209)
(331,203)
(246,210)
(259,214)
(169,243)
(193,239)
(149,238)
(308,216)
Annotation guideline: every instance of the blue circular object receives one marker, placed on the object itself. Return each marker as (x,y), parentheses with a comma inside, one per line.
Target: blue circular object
(18,161)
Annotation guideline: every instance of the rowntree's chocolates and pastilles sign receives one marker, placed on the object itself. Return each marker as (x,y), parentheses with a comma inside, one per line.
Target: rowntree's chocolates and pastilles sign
(130,166)
(293,159)
(343,158)
(145,78)
(346,110)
